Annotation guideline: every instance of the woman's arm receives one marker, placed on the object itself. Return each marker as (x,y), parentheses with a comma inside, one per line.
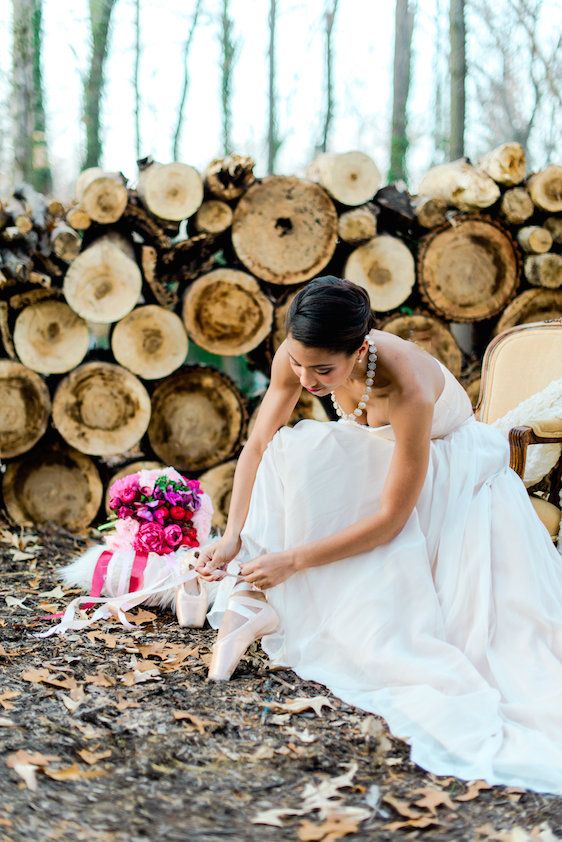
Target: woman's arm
(411,421)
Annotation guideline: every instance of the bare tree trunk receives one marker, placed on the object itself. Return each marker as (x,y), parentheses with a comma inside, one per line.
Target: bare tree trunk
(228,54)
(329,18)
(457,67)
(30,141)
(136,86)
(404,27)
(439,131)
(185,83)
(273,141)
(100,16)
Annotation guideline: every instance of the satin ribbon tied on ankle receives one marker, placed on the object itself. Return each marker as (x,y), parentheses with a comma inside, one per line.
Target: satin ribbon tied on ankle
(116,605)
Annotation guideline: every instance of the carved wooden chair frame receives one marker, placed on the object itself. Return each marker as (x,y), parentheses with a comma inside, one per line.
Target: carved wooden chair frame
(521,437)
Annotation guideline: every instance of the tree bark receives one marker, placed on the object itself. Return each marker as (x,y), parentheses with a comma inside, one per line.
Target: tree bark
(457,69)
(30,141)
(100,16)
(329,18)
(185,82)
(136,80)
(273,141)
(228,56)
(403,29)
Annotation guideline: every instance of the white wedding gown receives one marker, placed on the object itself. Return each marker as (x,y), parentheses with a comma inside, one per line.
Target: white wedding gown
(452,631)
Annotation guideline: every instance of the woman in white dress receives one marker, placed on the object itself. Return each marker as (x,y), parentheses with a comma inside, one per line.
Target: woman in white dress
(394,556)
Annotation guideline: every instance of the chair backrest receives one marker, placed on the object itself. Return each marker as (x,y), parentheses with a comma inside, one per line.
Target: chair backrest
(518,363)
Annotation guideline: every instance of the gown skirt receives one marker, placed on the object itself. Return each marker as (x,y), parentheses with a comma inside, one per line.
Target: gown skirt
(451,631)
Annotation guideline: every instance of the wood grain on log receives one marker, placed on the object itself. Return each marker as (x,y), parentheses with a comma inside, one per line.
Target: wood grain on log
(50,338)
(188,259)
(170,191)
(460,185)
(385,268)
(78,218)
(553,224)
(357,225)
(468,270)
(534,240)
(351,178)
(101,409)
(430,212)
(217,482)
(533,305)
(545,188)
(280,314)
(544,270)
(24,408)
(429,333)
(506,164)
(285,230)
(228,178)
(150,341)
(103,283)
(139,220)
(225,312)
(165,295)
(53,484)
(103,195)
(198,419)
(65,242)
(5,332)
(213,217)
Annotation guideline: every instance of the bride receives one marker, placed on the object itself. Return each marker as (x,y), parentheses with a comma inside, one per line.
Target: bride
(394,556)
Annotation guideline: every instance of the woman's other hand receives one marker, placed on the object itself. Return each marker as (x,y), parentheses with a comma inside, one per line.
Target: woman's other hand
(268,570)
(214,558)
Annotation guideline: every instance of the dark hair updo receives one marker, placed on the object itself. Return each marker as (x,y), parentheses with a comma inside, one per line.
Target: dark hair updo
(330,313)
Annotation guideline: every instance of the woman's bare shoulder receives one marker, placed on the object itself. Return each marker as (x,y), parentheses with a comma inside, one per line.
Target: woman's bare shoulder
(411,372)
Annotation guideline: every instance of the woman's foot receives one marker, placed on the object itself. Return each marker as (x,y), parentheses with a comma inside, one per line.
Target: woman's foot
(191,603)
(247,618)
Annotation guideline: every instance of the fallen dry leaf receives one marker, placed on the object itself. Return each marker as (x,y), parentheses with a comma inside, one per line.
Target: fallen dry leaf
(74,773)
(110,640)
(12,601)
(92,757)
(433,798)
(5,696)
(138,677)
(34,758)
(43,676)
(100,679)
(140,617)
(333,828)
(315,703)
(472,790)
(274,818)
(6,723)
(422,821)
(401,807)
(199,723)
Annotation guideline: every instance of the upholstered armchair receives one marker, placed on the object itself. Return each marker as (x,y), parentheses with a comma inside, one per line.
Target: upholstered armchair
(519,363)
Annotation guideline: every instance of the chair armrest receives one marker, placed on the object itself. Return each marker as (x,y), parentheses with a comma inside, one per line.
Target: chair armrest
(519,439)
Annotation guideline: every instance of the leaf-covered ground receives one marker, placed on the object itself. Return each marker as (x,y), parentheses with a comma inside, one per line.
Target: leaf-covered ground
(114,735)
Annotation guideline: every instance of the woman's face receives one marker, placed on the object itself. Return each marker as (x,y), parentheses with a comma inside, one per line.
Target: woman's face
(321,372)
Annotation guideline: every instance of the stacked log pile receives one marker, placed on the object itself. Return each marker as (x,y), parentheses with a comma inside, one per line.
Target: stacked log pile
(100,301)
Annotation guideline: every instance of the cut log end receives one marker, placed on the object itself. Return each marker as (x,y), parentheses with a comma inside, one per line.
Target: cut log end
(357,225)
(534,240)
(351,178)
(102,195)
(544,270)
(228,178)
(429,333)
(170,191)
(24,408)
(506,164)
(385,268)
(226,312)
(50,338)
(150,341)
(213,217)
(533,305)
(545,188)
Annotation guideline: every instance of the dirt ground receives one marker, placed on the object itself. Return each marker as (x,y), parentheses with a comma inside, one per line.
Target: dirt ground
(115,735)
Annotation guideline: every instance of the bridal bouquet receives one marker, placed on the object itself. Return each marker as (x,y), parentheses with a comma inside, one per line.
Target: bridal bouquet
(161,517)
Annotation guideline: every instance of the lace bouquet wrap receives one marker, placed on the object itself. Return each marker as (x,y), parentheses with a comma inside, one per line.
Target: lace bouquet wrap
(161,519)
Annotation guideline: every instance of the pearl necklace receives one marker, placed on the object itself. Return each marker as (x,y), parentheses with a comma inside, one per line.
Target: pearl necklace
(351,417)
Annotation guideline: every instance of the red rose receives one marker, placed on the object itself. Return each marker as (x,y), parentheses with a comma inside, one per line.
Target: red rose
(178,512)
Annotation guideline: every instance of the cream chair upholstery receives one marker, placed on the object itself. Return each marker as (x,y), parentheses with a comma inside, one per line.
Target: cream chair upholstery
(518,363)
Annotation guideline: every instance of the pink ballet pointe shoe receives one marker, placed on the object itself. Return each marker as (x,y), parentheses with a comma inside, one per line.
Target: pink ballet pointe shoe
(228,650)
(191,609)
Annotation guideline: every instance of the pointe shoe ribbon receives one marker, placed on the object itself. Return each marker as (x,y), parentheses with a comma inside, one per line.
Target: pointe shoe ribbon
(228,651)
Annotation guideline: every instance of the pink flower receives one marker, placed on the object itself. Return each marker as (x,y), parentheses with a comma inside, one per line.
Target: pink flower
(123,537)
(114,503)
(128,494)
(173,535)
(128,484)
(202,518)
(124,512)
(150,538)
(161,514)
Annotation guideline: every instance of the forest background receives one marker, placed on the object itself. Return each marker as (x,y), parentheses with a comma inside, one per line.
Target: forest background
(413,83)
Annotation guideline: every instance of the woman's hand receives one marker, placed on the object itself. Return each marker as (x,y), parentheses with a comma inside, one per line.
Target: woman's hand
(214,558)
(268,570)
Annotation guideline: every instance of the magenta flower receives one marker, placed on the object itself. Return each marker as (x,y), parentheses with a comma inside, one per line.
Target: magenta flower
(128,495)
(145,513)
(125,511)
(150,539)
(173,535)
(114,503)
